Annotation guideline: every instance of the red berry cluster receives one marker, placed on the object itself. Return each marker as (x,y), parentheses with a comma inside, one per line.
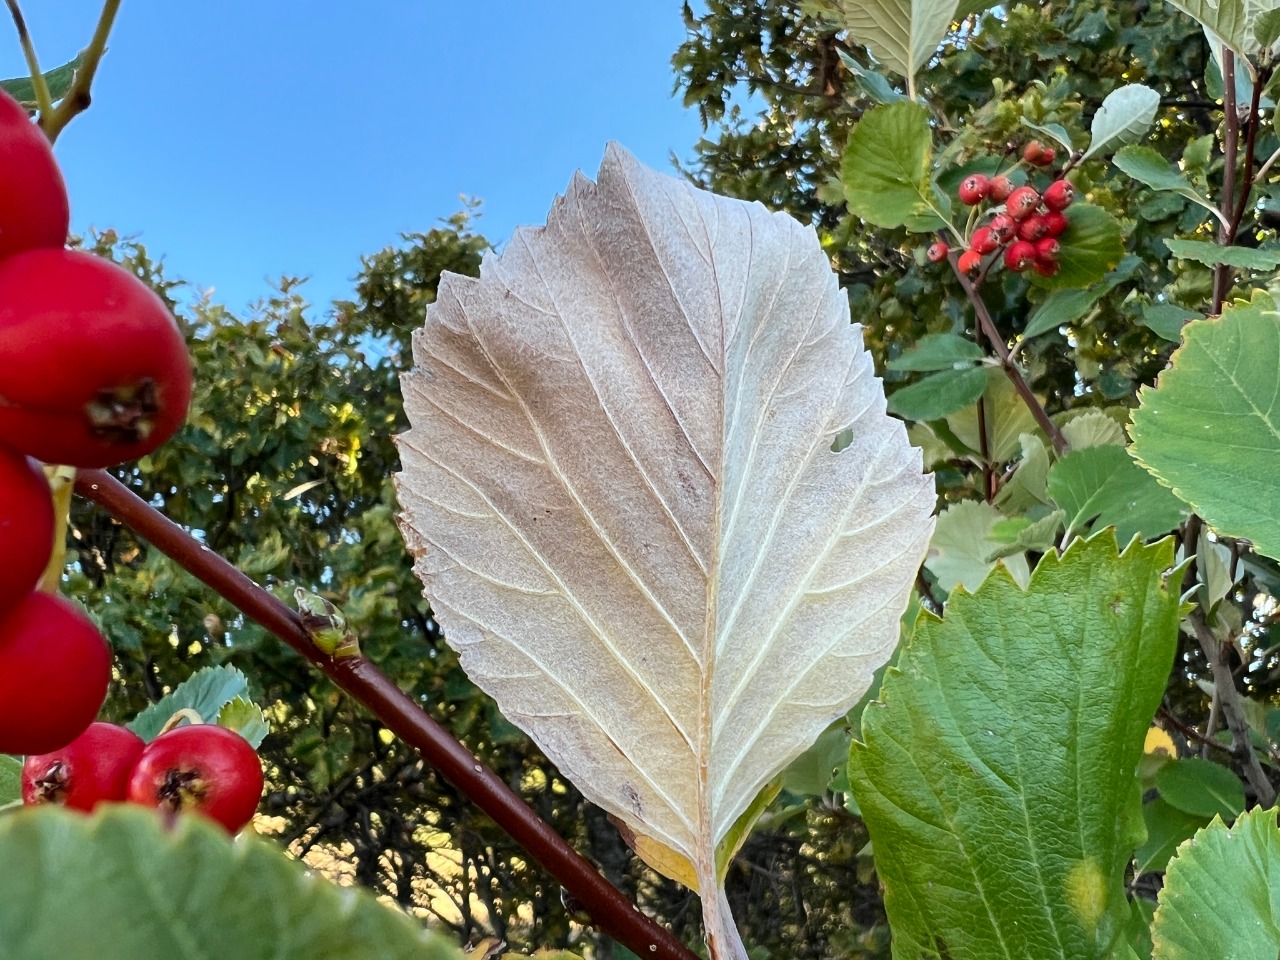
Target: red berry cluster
(203,768)
(1026,229)
(93,372)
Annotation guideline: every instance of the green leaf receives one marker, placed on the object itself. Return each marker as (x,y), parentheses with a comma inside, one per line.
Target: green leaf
(1147,166)
(59,81)
(1219,895)
(1054,130)
(1266,29)
(1093,429)
(1212,254)
(875,85)
(119,885)
(1007,419)
(1167,826)
(1091,245)
(1059,308)
(886,164)
(1210,429)
(939,394)
(1028,487)
(1225,18)
(1125,115)
(1020,534)
(10,779)
(997,776)
(206,692)
(1100,487)
(1201,787)
(1166,320)
(901,34)
(246,718)
(812,772)
(938,351)
(961,545)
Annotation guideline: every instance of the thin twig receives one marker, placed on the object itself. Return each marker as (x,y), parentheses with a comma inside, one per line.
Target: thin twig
(44,102)
(361,679)
(77,98)
(1250,142)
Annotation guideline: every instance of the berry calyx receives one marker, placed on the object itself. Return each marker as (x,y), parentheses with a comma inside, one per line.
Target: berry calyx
(202,768)
(984,240)
(937,252)
(1019,256)
(1059,195)
(33,198)
(54,671)
(1022,202)
(1003,226)
(974,188)
(999,188)
(1032,228)
(93,369)
(94,768)
(1055,223)
(26,527)
(969,262)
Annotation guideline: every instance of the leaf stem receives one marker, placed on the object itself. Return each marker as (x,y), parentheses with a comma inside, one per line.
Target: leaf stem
(44,102)
(615,914)
(77,98)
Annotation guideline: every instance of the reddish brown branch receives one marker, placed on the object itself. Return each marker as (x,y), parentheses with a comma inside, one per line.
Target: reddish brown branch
(615,914)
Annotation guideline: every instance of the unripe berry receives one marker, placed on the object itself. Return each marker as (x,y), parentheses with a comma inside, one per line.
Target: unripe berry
(984,240)
(1055,223)
(999,188)
(970,261)
(1022,202)
(1059,195)
(937,252)
(1032,228)
(974,188)
(1047,249)
(1019,256)
(1034,152)
(1003,226)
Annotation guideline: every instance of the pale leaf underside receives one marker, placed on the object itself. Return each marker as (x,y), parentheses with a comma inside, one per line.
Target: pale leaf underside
(901,34)
(620,490)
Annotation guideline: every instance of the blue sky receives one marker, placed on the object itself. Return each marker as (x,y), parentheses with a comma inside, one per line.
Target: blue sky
(248,139)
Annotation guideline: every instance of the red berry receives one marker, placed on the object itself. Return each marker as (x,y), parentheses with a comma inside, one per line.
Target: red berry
(1059,194)
(54,671)
(1047,157)
(999,188)
(1033,152)
(1019,256)
(1003,226)
(26,527)
(937,252)
(1055,223)
(204,768)
(1046,268)
(33,198)
(93,369)
(1022,202)
(92,769)
(969,262)
(1032,228)
(973,189)
(984,240)
(1047,249)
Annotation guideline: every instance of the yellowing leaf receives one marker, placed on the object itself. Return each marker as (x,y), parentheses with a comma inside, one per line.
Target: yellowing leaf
(620,489)
(1159,742)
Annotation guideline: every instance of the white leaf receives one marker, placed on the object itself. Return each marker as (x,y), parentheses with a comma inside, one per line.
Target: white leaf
(621,494)
(901,34)
(1125,115)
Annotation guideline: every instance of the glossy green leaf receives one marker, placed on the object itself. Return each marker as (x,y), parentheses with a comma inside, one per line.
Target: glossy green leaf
(1101,486)
(1147,166)
(206,692)
(1212,254)
(997,776)
(938,351)
(1091,245)
(939,395)
(886,164)
(1166,320)
(59,81)
(120,886)
(1167,826)
(1201,787)
(1210,429)
(962,551)
(1221,894)
(1059,308)
(1125,115)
